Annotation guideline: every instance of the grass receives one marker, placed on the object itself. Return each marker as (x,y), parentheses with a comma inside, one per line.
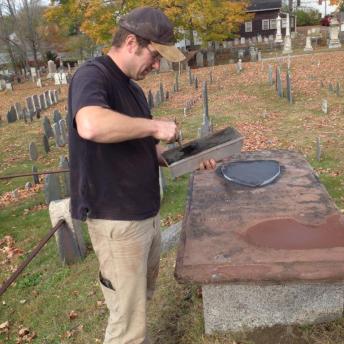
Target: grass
(44,296)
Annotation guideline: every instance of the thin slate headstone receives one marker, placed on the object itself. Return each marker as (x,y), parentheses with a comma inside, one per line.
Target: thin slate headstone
(210,58)
(26,114)
(157,98)
(271,80)
(45,144)
(162,95)
(48,131)
(199,59)
(47,98)
(338,89)
(190,76)
(19,111)
(63,131)
(36,102)
(11,115)
(318,149)
(33,153)
(57,116)
(279,82)
(56,95)
(52,188)
(177,82)
(57,135)
(330,87)
(196,83)
(52,97)
(42,102)
(150,100)
(35,177)
(30,106)
(64,164)
(289,93)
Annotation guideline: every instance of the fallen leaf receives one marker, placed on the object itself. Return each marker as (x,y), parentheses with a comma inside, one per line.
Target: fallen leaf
(72,315)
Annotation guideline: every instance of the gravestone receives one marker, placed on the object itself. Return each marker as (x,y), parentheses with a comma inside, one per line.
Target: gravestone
(236,41)
(162,95)
(190,76)
(150,100)
(42,101)
(260,39)
(39,83)
(196,83)
(210,58)
(36,102)
(157,98)
(56,95)
(259,55)
(289,93)
(52,188)
(199,59)
(63,130)
(51,69)
(64,164)
(47,98)
(56,116)
(52,97)
(324,106)
(253,54)
(33,72)
(308,47)
(279,82)
(9,86)
(45,144)
(177,83)
(19,111)
(330,88)
(33,153)
(334,34)
(26,115)
(242,40)
(57,135)
(318,149)
(48,131)
(241,53)
(2,85)
(35,177)
(206,127)
(11,115)
(30,106)
(338,89)
(270,72)
(165,65)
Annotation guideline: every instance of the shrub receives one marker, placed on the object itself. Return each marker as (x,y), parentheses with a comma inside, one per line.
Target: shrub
(307,17)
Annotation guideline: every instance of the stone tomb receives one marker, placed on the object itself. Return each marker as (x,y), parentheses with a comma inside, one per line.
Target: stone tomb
(263,259)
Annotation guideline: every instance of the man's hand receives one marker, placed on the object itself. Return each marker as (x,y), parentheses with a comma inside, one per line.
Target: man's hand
(207,164)
(165,130)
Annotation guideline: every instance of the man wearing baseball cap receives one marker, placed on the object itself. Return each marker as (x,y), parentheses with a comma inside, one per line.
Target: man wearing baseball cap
(114,161)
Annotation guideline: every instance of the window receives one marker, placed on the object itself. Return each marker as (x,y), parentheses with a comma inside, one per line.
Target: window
(248,26)
(273,24)
(265,24)
(284,23)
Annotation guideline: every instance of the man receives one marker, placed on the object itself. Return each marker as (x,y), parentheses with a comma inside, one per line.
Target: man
(114,159)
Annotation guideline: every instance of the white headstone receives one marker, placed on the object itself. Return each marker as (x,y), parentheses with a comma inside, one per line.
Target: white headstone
(308,46)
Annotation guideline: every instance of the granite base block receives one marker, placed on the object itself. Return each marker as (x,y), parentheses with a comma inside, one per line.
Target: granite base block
(237,307)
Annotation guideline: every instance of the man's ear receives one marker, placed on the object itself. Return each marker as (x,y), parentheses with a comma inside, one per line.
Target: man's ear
(131,43)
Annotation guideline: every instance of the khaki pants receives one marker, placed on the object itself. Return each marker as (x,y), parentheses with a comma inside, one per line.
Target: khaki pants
(129,255)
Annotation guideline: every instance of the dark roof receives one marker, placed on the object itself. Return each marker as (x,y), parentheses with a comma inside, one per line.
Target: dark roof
(264,5)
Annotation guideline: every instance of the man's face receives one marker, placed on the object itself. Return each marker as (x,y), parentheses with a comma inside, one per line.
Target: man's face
(145,59)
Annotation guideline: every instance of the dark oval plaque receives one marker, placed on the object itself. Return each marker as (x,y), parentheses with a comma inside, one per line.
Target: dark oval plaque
(251,173)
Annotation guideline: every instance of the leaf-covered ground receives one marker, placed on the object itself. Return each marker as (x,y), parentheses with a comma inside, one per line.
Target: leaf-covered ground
(51,303)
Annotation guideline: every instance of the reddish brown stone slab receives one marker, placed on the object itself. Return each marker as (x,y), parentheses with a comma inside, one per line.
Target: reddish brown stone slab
(234,233)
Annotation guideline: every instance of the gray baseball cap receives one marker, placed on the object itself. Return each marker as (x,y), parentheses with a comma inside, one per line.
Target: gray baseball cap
(153,25)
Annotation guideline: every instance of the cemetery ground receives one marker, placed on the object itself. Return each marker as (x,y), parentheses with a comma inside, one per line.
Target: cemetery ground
(51,303)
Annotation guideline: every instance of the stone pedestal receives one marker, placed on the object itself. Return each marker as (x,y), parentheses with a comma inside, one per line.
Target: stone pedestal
(237,307)
(287,49)
(278,38)
(308,46)
(334,34)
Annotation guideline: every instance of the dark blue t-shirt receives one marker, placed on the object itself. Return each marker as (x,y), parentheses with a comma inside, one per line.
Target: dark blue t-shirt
(116,181)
